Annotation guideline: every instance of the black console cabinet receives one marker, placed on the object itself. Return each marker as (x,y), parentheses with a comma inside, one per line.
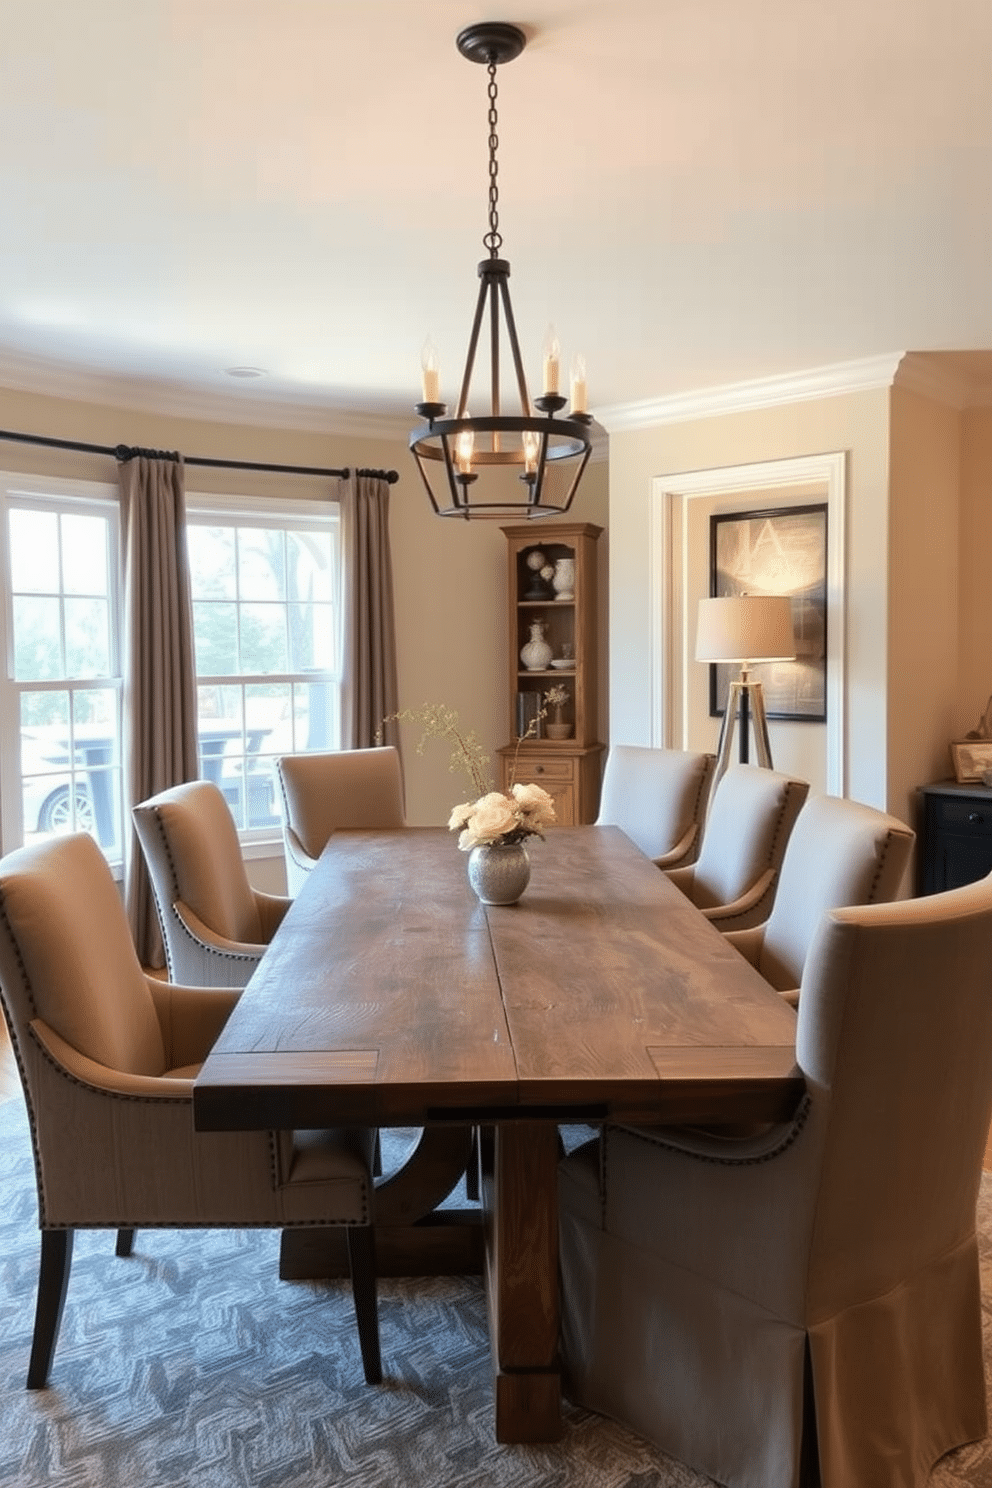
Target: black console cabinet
(955,833)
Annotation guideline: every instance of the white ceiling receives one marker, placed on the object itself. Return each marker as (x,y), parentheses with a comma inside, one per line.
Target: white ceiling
(695,192)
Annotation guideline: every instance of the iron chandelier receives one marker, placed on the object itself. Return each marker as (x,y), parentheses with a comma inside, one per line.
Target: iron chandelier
(500,465)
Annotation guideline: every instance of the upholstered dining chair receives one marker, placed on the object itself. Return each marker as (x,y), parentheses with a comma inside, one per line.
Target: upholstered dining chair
(658,798)
(107,1058)
(840,852)
(214,924)
(808,1297)
(750,818)
(324,793)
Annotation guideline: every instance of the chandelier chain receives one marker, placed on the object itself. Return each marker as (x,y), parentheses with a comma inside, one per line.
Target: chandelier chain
(493,239)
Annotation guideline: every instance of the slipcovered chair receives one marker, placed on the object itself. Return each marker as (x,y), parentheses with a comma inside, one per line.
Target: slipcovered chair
(107,1058)
(751,815)
(215,926)
(752,1306)
(840,853)
(658,798)
(324,793)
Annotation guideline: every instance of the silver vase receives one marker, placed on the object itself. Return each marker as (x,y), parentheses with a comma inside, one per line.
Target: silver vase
(499,872)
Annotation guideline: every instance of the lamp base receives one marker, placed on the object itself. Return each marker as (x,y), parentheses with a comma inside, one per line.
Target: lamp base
(746,701)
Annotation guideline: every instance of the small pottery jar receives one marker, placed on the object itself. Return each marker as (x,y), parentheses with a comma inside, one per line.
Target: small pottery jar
(499,872)
(563,582)
(536,655)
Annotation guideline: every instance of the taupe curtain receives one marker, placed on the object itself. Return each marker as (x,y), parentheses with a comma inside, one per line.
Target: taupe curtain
(160,748)
(369,690)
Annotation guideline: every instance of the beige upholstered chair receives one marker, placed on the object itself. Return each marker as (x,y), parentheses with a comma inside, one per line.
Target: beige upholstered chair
(214,924)
(814,1290)
(752,813)
(840,853)
(107,1058)
(658,797)
(322,793)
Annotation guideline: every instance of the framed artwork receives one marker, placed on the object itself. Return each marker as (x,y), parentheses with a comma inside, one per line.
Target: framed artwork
(972,759)
(777,551)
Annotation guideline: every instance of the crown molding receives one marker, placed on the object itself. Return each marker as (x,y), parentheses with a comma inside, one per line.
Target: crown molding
(307,414)
(763,392)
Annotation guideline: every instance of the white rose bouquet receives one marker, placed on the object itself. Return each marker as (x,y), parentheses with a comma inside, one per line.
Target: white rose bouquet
(496,818)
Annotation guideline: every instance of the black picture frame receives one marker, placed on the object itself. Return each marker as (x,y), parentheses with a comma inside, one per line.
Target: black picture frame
(777,550)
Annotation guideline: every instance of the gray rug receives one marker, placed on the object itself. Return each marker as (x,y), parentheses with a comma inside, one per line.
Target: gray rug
(191,1364)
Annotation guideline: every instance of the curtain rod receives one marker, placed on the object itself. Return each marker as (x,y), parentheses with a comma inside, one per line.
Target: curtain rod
(127,452)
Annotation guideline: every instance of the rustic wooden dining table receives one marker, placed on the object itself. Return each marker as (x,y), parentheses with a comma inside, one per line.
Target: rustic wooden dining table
(391,997)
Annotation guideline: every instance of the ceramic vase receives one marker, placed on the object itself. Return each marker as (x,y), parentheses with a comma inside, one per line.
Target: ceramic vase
(499,872)
(536,655)
(563,582)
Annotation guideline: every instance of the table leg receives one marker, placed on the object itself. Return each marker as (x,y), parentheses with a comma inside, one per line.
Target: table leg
(519,1192)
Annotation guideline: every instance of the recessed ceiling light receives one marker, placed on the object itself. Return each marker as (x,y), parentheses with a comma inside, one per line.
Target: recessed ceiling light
(245,371)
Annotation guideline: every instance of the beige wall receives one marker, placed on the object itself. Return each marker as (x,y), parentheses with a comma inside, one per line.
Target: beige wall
(449,576)
(924,696)
(975,610)
(856,423)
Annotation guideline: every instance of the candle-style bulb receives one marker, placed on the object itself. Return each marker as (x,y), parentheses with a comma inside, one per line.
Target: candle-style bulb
(431,377)
(578,383)
(531,444)
(464,449)
(552,361)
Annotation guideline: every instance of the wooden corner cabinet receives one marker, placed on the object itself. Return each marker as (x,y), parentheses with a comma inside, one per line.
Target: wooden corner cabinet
(551,581)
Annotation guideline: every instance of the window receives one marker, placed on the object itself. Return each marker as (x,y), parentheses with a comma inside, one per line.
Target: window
(266,586)
(60,687)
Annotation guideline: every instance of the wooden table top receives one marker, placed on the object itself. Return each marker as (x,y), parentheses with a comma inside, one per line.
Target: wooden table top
(391,996)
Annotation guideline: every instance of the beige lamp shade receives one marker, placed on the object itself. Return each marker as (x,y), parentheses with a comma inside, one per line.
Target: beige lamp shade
(745,628)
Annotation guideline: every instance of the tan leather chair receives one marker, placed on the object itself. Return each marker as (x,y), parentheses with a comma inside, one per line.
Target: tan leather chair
(214,924)
(733,881)
(658,798)
(107,1058)
(324,793)
(840,853)
(812,1291)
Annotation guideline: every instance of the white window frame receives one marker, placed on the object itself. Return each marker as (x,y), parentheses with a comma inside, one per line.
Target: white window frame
(280,513)
(52,493)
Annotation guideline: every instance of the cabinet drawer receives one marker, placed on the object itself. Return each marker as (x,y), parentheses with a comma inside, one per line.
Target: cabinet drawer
(962,817)
(546,769)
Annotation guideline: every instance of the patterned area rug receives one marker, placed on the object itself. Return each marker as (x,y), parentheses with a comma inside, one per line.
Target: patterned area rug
(192,1365)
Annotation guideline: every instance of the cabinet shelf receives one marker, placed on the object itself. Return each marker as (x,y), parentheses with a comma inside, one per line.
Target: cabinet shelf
(568,768)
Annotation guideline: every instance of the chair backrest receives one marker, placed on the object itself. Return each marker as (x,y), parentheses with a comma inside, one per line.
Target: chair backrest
(658,798)
(894,1035)
(349,788)
(750,818)
(840,853)
(192,850)
(66,956)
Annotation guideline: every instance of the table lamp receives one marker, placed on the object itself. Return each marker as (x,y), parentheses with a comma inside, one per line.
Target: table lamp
(745,628)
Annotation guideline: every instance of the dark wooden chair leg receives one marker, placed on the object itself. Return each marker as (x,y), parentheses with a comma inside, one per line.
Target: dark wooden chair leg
(377,1156)
(53,1281)
(472,1171)
(361,1261)
(125,1242)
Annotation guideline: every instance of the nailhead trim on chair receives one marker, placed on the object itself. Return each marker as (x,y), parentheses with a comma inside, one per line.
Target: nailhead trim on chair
(175,894)
(726,922)
(789,1136)
(156,1100)
(14,1044)
(889,839)
(219,951)
(240,956)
